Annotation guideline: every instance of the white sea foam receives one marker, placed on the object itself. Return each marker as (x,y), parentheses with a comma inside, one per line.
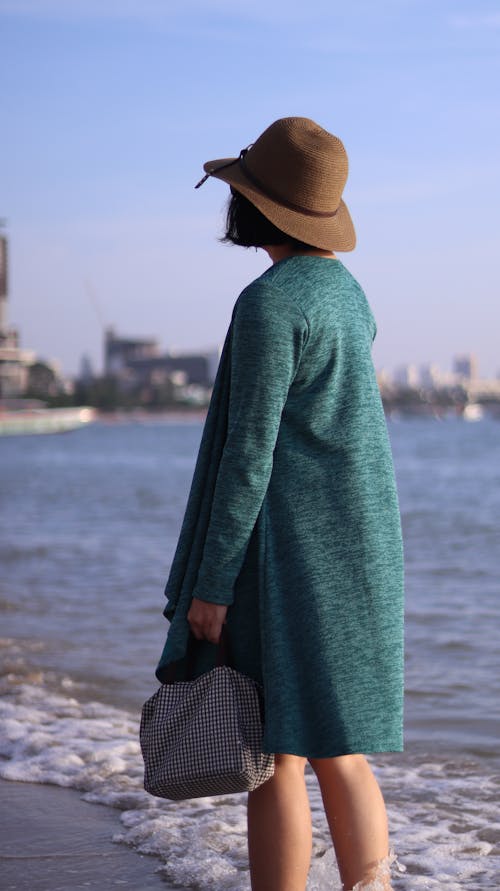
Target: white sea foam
(442,813)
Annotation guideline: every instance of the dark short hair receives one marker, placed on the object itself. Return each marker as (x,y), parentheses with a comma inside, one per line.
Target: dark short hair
(246,226)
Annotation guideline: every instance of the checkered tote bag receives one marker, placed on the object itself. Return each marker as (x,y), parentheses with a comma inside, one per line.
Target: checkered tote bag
(204,737)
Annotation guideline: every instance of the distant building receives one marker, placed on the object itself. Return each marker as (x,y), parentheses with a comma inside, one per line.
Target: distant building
(465,367)
(86,374)
(384,378)
(119,352)
(44,380)
(195,367)
(407,376)
(14,362)
(431,375)
(138,363)
(4,278)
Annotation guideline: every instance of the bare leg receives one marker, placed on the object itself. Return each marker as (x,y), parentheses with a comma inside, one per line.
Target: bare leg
(356,816)
(279,829)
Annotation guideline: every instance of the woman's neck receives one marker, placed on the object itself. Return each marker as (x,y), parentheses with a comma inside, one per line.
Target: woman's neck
(279,252)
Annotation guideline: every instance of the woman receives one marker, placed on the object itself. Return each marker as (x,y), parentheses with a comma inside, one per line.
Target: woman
(292,532)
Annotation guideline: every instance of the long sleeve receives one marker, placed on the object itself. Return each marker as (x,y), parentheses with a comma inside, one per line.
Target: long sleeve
(269,333)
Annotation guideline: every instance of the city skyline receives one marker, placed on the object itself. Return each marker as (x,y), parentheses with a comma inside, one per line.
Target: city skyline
(186,346)
(428,371)
(111,108)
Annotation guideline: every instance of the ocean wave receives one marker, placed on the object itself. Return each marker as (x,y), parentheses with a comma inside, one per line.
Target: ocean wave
(443,812)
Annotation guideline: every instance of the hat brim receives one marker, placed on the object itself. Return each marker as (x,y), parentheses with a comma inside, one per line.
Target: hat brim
(333,233)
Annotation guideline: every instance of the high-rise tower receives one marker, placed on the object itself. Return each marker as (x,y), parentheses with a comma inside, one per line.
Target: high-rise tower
(4,280)
(14,362)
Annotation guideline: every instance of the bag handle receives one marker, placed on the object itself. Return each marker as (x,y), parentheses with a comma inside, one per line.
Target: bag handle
(223,656)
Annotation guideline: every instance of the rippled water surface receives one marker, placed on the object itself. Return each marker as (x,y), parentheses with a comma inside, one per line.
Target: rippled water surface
(89,522)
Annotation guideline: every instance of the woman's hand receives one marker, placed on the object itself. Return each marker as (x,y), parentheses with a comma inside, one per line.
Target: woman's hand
(206,620)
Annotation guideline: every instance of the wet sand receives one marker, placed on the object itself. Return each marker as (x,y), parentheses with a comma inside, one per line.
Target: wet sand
(51,840)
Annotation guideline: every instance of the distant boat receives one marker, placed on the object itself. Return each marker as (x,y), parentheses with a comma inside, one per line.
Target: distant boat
(473,412)
(29,421)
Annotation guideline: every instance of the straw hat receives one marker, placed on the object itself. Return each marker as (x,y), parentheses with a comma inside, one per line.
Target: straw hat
(294,174)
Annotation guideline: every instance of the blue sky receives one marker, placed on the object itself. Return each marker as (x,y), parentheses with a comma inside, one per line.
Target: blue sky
(109,109)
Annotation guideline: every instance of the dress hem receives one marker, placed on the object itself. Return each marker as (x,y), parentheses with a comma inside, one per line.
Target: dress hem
(351,750)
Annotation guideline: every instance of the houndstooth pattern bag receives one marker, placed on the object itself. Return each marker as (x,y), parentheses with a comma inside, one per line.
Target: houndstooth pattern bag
(204,737)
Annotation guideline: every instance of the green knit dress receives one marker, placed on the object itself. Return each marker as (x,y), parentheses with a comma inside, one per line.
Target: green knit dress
(293,519)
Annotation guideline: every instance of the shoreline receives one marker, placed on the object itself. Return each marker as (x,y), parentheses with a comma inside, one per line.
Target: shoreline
(145,416)
(52,840)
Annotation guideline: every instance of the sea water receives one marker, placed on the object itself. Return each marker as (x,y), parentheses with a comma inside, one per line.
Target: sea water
(89,523)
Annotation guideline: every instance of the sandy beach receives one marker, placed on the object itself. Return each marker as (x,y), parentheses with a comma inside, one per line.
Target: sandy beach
(51,840)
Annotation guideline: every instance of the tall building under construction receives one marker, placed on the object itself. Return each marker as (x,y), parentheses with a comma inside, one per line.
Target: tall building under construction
(14,362)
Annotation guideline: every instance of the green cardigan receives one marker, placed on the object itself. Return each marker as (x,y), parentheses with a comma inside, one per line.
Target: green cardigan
(293,519)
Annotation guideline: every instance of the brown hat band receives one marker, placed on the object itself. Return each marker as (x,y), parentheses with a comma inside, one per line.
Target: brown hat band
(266,190)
